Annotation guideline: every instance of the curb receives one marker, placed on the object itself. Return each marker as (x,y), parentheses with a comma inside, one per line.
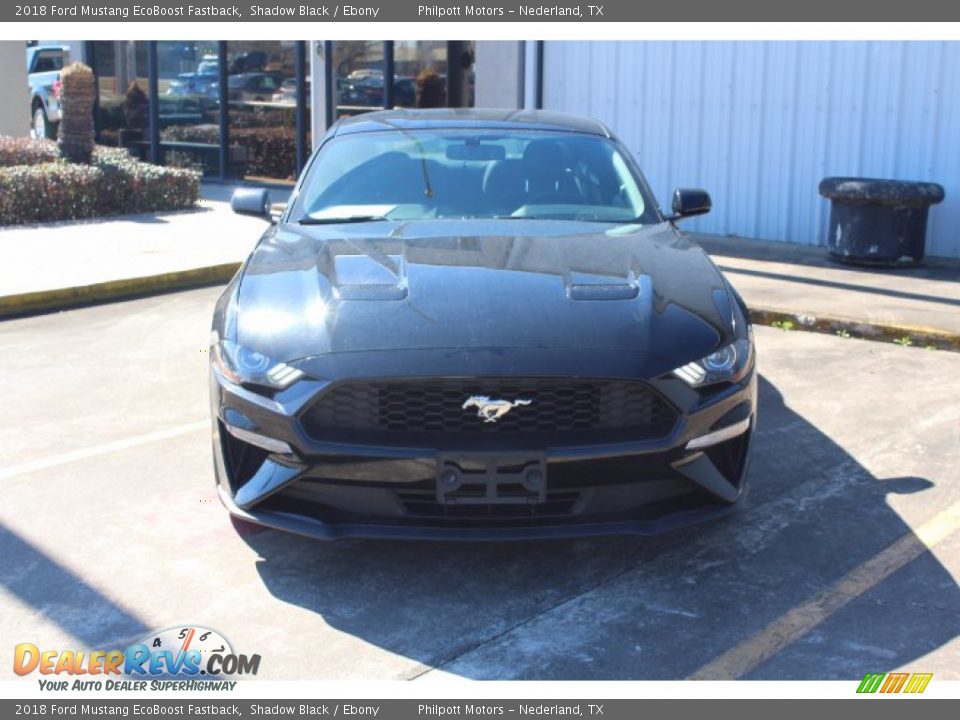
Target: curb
(847,327)
(66,298)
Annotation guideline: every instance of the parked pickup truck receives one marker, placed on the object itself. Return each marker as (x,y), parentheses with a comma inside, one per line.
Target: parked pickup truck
(44,63)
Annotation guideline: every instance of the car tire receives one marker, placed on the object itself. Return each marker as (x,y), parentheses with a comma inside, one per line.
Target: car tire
(41,128)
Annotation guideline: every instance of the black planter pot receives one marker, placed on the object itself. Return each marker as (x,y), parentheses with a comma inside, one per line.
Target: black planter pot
(878,222)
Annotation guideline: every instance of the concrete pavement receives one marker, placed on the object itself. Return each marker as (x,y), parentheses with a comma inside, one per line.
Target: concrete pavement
(64,264)
(799,283)
(110,528)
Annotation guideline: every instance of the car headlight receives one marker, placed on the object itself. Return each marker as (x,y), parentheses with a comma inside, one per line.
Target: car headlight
(241,365)
(730,363)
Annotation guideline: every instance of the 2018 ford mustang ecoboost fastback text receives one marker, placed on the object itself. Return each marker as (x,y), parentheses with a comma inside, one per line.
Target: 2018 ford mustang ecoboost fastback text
(474,324)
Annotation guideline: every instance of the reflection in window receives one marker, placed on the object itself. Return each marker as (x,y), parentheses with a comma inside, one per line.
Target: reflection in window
(358,69)
(123,106)
(188,82)
(421,73)
(262,95)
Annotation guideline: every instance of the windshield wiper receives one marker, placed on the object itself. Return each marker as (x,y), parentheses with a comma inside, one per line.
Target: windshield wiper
(427,187)
(608,221)
(307,220)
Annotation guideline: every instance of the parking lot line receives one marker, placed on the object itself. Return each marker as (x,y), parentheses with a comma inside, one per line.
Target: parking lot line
(741,659)
(102,449)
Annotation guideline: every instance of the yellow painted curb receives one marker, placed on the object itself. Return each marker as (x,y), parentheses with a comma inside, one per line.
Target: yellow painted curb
(64,298)
(915,335)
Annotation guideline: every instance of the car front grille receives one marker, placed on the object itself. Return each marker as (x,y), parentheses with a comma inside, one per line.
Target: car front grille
(560,410)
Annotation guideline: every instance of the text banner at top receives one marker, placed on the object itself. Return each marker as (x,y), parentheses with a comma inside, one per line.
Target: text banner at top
(447,11)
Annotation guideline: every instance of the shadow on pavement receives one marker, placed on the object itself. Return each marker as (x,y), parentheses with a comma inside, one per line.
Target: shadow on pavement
(940,269)
(60,596)
(794,278)
(646,608)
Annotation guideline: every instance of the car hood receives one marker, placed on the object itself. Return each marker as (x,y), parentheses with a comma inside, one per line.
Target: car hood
(311,291)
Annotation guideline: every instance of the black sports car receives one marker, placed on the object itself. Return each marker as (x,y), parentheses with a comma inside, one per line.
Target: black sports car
(477,324)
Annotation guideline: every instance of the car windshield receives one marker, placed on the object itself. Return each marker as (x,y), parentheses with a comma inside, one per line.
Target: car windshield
(49,61)
(431,174)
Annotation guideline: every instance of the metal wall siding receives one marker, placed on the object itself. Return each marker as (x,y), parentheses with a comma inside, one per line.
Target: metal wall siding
(759,124)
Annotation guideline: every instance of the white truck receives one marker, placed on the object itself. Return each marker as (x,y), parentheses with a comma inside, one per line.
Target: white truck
(44,63)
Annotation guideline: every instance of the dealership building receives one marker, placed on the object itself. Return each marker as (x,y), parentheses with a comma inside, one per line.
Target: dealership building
(758,124)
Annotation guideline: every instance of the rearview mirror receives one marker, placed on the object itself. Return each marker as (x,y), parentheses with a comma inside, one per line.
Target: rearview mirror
(476,152)
(688,202)
(251,201)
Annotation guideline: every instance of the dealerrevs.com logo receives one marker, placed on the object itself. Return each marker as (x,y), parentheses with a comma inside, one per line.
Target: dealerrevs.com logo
(176,658)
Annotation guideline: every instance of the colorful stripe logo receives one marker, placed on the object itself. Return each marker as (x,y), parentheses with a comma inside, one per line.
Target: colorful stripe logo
(894,682)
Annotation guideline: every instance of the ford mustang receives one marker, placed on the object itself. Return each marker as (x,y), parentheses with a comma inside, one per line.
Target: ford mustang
(471,324)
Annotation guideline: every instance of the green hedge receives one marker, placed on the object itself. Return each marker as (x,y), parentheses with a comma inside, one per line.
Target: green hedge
(113,184)
(271,151)
(24,151)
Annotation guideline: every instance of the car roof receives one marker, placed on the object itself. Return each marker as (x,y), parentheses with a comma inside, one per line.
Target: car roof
(475,118)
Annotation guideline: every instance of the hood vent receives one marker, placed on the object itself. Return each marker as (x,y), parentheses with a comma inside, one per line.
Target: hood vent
(603,292)
(594,286)
(370,277)
(371,292)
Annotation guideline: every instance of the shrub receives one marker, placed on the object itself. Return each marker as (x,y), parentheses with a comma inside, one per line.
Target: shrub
(111,113)
(51,191)
(136,107)
(260,116)
(431,90)
(131,186)
(271,151)
(114,183)
(26,151)
(77,94)
(191,133)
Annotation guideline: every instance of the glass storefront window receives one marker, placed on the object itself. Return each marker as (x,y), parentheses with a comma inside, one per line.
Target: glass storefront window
(420,73)
(465,55)
(122,103)
(261,88)
(188,83)
(261,93)
(358,71)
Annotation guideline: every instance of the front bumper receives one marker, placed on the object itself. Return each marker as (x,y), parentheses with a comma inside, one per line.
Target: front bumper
(334,490)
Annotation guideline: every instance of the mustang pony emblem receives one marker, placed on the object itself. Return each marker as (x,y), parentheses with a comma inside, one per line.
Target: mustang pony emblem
(492,410)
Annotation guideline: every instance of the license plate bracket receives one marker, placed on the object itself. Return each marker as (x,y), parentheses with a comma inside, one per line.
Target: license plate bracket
(491,478)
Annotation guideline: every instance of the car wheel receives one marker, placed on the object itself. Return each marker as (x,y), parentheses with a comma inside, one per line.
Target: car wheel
(42,128)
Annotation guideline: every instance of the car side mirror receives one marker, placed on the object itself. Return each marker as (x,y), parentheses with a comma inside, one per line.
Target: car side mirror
(251,201)
(688,202)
